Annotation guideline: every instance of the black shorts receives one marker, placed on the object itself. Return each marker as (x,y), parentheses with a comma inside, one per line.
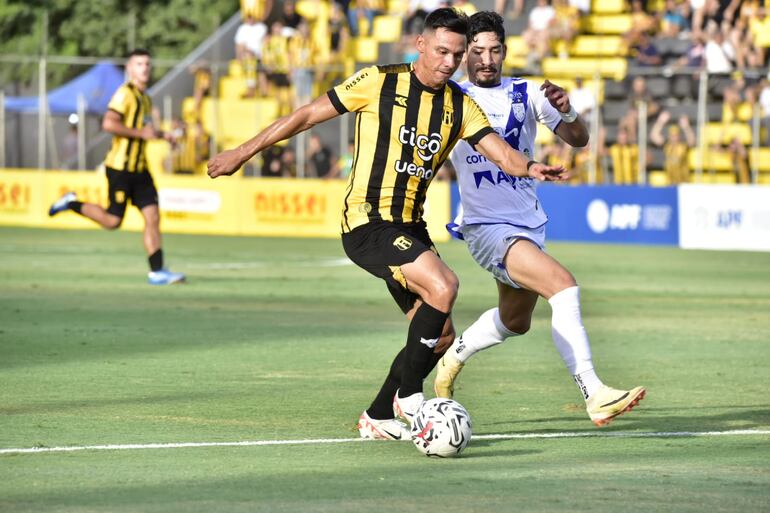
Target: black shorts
(125,185)
(382,247)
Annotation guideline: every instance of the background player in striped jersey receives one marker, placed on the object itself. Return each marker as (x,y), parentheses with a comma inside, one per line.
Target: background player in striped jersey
(408,118)
(128,119)
(504,225)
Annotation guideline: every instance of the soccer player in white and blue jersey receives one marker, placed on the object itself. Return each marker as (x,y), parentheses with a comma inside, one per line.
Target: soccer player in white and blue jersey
(503,224)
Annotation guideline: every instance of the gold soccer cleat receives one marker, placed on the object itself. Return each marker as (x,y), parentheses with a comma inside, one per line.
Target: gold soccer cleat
(607,403)
(446,372)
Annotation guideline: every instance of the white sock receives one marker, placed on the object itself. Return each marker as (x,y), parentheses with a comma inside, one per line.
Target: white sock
(571,339)
(487,331)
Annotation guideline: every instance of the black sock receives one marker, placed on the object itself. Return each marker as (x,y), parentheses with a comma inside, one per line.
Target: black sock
(382,406)
(75,206)
(427,324)
(156,261)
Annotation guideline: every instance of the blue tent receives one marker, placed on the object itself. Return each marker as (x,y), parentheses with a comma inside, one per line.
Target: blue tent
(97,86)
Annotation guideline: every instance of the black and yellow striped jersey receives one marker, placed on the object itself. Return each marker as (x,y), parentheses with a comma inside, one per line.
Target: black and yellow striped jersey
(404,132)
(128,153)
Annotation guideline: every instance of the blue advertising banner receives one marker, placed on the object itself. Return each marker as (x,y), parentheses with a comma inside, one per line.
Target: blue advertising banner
(607,213)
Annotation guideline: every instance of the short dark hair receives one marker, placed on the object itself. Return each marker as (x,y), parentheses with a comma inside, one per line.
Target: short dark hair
(138,52)
(486,21)
(448,18)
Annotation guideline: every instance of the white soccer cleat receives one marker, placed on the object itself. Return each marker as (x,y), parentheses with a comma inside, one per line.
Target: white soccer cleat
(386,429)
(62,204)
(406,407)
(164,277)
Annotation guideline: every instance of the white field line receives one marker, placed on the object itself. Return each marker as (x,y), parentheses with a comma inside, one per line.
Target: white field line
(319,441)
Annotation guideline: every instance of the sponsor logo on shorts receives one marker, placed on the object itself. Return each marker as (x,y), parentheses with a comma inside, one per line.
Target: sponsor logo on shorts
(402,243)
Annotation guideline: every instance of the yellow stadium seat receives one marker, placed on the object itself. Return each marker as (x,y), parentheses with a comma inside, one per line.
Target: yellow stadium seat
(157,154)
(367,49)
(237,118)
(760,158)
(387,28)
(235,68)
(716,160)
(544,136)
(657,178)
(516,54)
(307,9)
(598,46)
(398,7)
(721,133)
(609,67)
(231,87)
(608,6)
(607,23)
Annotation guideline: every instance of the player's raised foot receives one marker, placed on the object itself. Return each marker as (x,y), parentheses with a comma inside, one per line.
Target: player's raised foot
(607,403)
(164,277)
(387,429)
(62,204)
(447,369)
(406,407)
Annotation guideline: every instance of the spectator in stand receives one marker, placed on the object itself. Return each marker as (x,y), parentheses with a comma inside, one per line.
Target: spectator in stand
(764,104)
(517,6)
(641,23)
(256,9)
(582,99)
(565,24)
(736,110)
(418,10)
(290,18)
(301,53)
(322,164)
(271,162)
(365,10)
(646,53)
(538,35)
(625,160)
(249,40)
(674,22)
(329,71)
(639,95)
(719,54)
(275,57)
(465,6)
(289,163)
(201,73)
(675,147)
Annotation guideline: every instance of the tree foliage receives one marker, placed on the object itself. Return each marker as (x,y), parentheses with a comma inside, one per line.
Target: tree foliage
(103,28)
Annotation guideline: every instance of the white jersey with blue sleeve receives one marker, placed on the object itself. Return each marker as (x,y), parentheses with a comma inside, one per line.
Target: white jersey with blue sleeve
(489,195)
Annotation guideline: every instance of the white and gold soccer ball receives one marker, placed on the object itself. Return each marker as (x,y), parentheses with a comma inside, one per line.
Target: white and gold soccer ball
(441,428)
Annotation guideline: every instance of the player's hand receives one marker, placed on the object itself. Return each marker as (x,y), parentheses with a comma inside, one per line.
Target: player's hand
(226,163)
(557,96)
(148,132)
(545,173)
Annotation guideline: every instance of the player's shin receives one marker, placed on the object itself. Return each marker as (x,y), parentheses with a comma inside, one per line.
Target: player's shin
(571,339)
(424,332)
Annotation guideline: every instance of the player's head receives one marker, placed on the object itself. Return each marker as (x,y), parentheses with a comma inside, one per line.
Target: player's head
(139,67)
(486,48)
(442,44)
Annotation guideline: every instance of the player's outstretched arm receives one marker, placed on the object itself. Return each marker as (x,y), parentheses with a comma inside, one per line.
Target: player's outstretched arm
(515,163)
(307,116)
(571,130)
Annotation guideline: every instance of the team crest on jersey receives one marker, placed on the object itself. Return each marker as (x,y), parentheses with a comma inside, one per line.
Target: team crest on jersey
(449,116)
(402,243)
(120,197)
(518,111)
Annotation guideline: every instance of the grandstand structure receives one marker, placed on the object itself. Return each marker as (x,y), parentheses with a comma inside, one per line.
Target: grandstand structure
(730,147)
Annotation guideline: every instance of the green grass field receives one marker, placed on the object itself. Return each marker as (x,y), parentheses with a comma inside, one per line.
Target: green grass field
(277,339)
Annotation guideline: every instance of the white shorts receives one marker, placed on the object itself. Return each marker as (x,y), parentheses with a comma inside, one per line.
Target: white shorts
(489,243)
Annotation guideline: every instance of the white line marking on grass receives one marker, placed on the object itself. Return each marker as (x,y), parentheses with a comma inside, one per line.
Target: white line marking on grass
(319,441)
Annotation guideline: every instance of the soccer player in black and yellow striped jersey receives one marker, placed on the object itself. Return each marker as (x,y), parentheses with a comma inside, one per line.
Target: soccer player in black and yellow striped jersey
(128,119)
(408,118)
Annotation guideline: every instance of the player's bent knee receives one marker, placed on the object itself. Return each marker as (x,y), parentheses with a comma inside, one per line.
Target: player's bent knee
(113,223)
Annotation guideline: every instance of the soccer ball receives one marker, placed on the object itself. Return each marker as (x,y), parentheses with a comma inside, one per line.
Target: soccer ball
(441,428)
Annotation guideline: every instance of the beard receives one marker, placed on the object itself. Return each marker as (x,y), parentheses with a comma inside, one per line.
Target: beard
(490,78)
